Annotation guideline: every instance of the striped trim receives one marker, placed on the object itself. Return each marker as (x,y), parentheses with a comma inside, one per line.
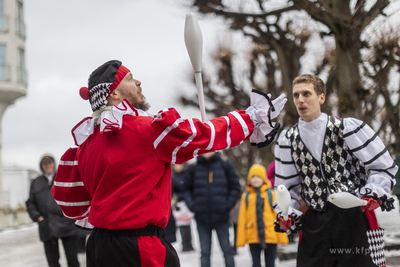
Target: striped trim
(184,144)
(285,147)
(78,217)
(228,132)
(212,139)
(376,157)
(284,162)
(365,144)
(166,131)
(355,130)
(68,162)
(73,204)
(195,152)
(386,170)
(286,177)
(242,123)
(61,184)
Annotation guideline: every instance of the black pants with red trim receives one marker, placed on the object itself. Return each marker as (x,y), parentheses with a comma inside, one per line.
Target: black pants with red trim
(136,247)
(335,237)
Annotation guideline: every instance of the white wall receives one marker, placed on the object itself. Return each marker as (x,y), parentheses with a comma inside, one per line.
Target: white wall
(15,186)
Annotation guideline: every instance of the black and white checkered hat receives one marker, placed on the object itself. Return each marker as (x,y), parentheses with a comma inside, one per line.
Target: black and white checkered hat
(102,83)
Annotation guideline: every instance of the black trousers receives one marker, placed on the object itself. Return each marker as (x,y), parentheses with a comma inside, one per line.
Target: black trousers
(269,254)
(335,237)
(186,235)
(126,248)
(70,244)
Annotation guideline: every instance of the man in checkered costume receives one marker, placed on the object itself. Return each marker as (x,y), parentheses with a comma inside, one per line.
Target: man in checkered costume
(322,155)
(118,177)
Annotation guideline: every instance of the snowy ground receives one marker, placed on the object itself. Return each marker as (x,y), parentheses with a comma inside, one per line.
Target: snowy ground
(21,247)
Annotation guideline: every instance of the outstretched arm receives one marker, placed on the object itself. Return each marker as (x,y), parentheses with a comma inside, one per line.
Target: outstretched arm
(178,140)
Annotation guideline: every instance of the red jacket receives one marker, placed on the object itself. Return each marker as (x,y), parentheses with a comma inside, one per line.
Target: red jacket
(122,179)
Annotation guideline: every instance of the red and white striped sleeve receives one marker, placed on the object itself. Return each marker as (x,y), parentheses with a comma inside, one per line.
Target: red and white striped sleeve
(177,140)
(68,189)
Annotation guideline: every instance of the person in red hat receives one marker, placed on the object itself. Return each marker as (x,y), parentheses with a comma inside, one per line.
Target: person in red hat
(118,177)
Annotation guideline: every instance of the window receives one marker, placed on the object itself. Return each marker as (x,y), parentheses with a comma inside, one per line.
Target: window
(20,20)
(3,18)
(22,76)
(3,64)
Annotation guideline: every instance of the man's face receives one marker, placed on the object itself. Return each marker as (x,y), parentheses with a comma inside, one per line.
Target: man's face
(307,102)
(48,166)
(130,89)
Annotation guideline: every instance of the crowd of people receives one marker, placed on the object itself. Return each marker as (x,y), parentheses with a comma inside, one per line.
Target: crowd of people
(129,182)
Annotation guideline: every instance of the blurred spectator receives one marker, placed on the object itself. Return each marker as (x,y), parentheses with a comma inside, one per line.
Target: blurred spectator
(211,190)
(257,217)
(182,213)
(271,173)
(234,215)
(43,209)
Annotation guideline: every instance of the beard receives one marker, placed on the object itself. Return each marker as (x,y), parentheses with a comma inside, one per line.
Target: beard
(140,101)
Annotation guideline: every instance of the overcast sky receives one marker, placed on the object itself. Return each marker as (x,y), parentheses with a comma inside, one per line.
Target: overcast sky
(67,40)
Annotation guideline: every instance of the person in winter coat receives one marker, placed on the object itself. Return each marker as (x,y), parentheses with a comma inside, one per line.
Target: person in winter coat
(43,209)
(183,215)
(257,217)
(211,190)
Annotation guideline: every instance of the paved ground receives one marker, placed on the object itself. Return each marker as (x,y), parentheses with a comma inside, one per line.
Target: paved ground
(20,247)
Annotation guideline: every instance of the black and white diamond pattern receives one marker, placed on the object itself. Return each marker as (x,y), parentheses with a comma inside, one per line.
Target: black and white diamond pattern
(98,95)
(342,172)
(377,246)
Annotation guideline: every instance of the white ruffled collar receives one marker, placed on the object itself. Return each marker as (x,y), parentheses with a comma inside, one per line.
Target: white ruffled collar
(318,123)
(110,119)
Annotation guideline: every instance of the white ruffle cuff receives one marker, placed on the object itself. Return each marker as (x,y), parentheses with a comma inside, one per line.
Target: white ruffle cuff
(262,111)
(294,213)
(375,191)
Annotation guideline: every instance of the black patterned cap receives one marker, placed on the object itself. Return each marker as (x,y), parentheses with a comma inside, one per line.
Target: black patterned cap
(102,83)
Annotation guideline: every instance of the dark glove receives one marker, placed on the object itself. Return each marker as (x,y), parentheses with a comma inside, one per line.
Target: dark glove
(285,225)
(371,205)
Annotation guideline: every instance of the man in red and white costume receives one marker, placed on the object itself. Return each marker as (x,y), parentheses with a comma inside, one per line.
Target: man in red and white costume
(119,175)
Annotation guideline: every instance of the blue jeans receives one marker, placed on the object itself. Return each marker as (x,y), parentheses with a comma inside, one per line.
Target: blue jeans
(205,234)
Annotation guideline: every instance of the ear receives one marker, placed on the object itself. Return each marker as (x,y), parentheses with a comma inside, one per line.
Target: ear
(321,98)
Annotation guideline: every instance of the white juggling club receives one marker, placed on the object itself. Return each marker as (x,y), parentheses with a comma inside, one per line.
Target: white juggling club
(194,46)
(346,200)
(283,200)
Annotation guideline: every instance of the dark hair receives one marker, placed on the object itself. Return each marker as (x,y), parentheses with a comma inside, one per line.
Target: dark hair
(319,85)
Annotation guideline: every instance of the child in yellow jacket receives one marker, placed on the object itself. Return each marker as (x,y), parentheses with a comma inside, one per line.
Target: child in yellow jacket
(256,218)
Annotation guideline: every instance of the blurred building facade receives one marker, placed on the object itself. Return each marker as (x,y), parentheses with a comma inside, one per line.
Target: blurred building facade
(13,73)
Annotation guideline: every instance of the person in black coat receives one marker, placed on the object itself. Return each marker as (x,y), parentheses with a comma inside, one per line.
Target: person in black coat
(43,209)
(211,190)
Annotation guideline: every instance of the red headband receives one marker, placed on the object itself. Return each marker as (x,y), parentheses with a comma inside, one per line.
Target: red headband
(119,76)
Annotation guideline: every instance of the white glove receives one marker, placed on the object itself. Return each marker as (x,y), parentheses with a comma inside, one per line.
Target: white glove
(261,111)
(279,104)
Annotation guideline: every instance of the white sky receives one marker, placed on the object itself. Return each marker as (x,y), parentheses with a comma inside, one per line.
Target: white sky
(67,40)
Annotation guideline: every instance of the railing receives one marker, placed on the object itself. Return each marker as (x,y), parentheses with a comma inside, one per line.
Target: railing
(20,28)
(22,75)
(4,72)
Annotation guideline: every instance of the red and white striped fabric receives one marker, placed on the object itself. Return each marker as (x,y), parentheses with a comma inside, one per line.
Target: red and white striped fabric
(126,172)
(75,206)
